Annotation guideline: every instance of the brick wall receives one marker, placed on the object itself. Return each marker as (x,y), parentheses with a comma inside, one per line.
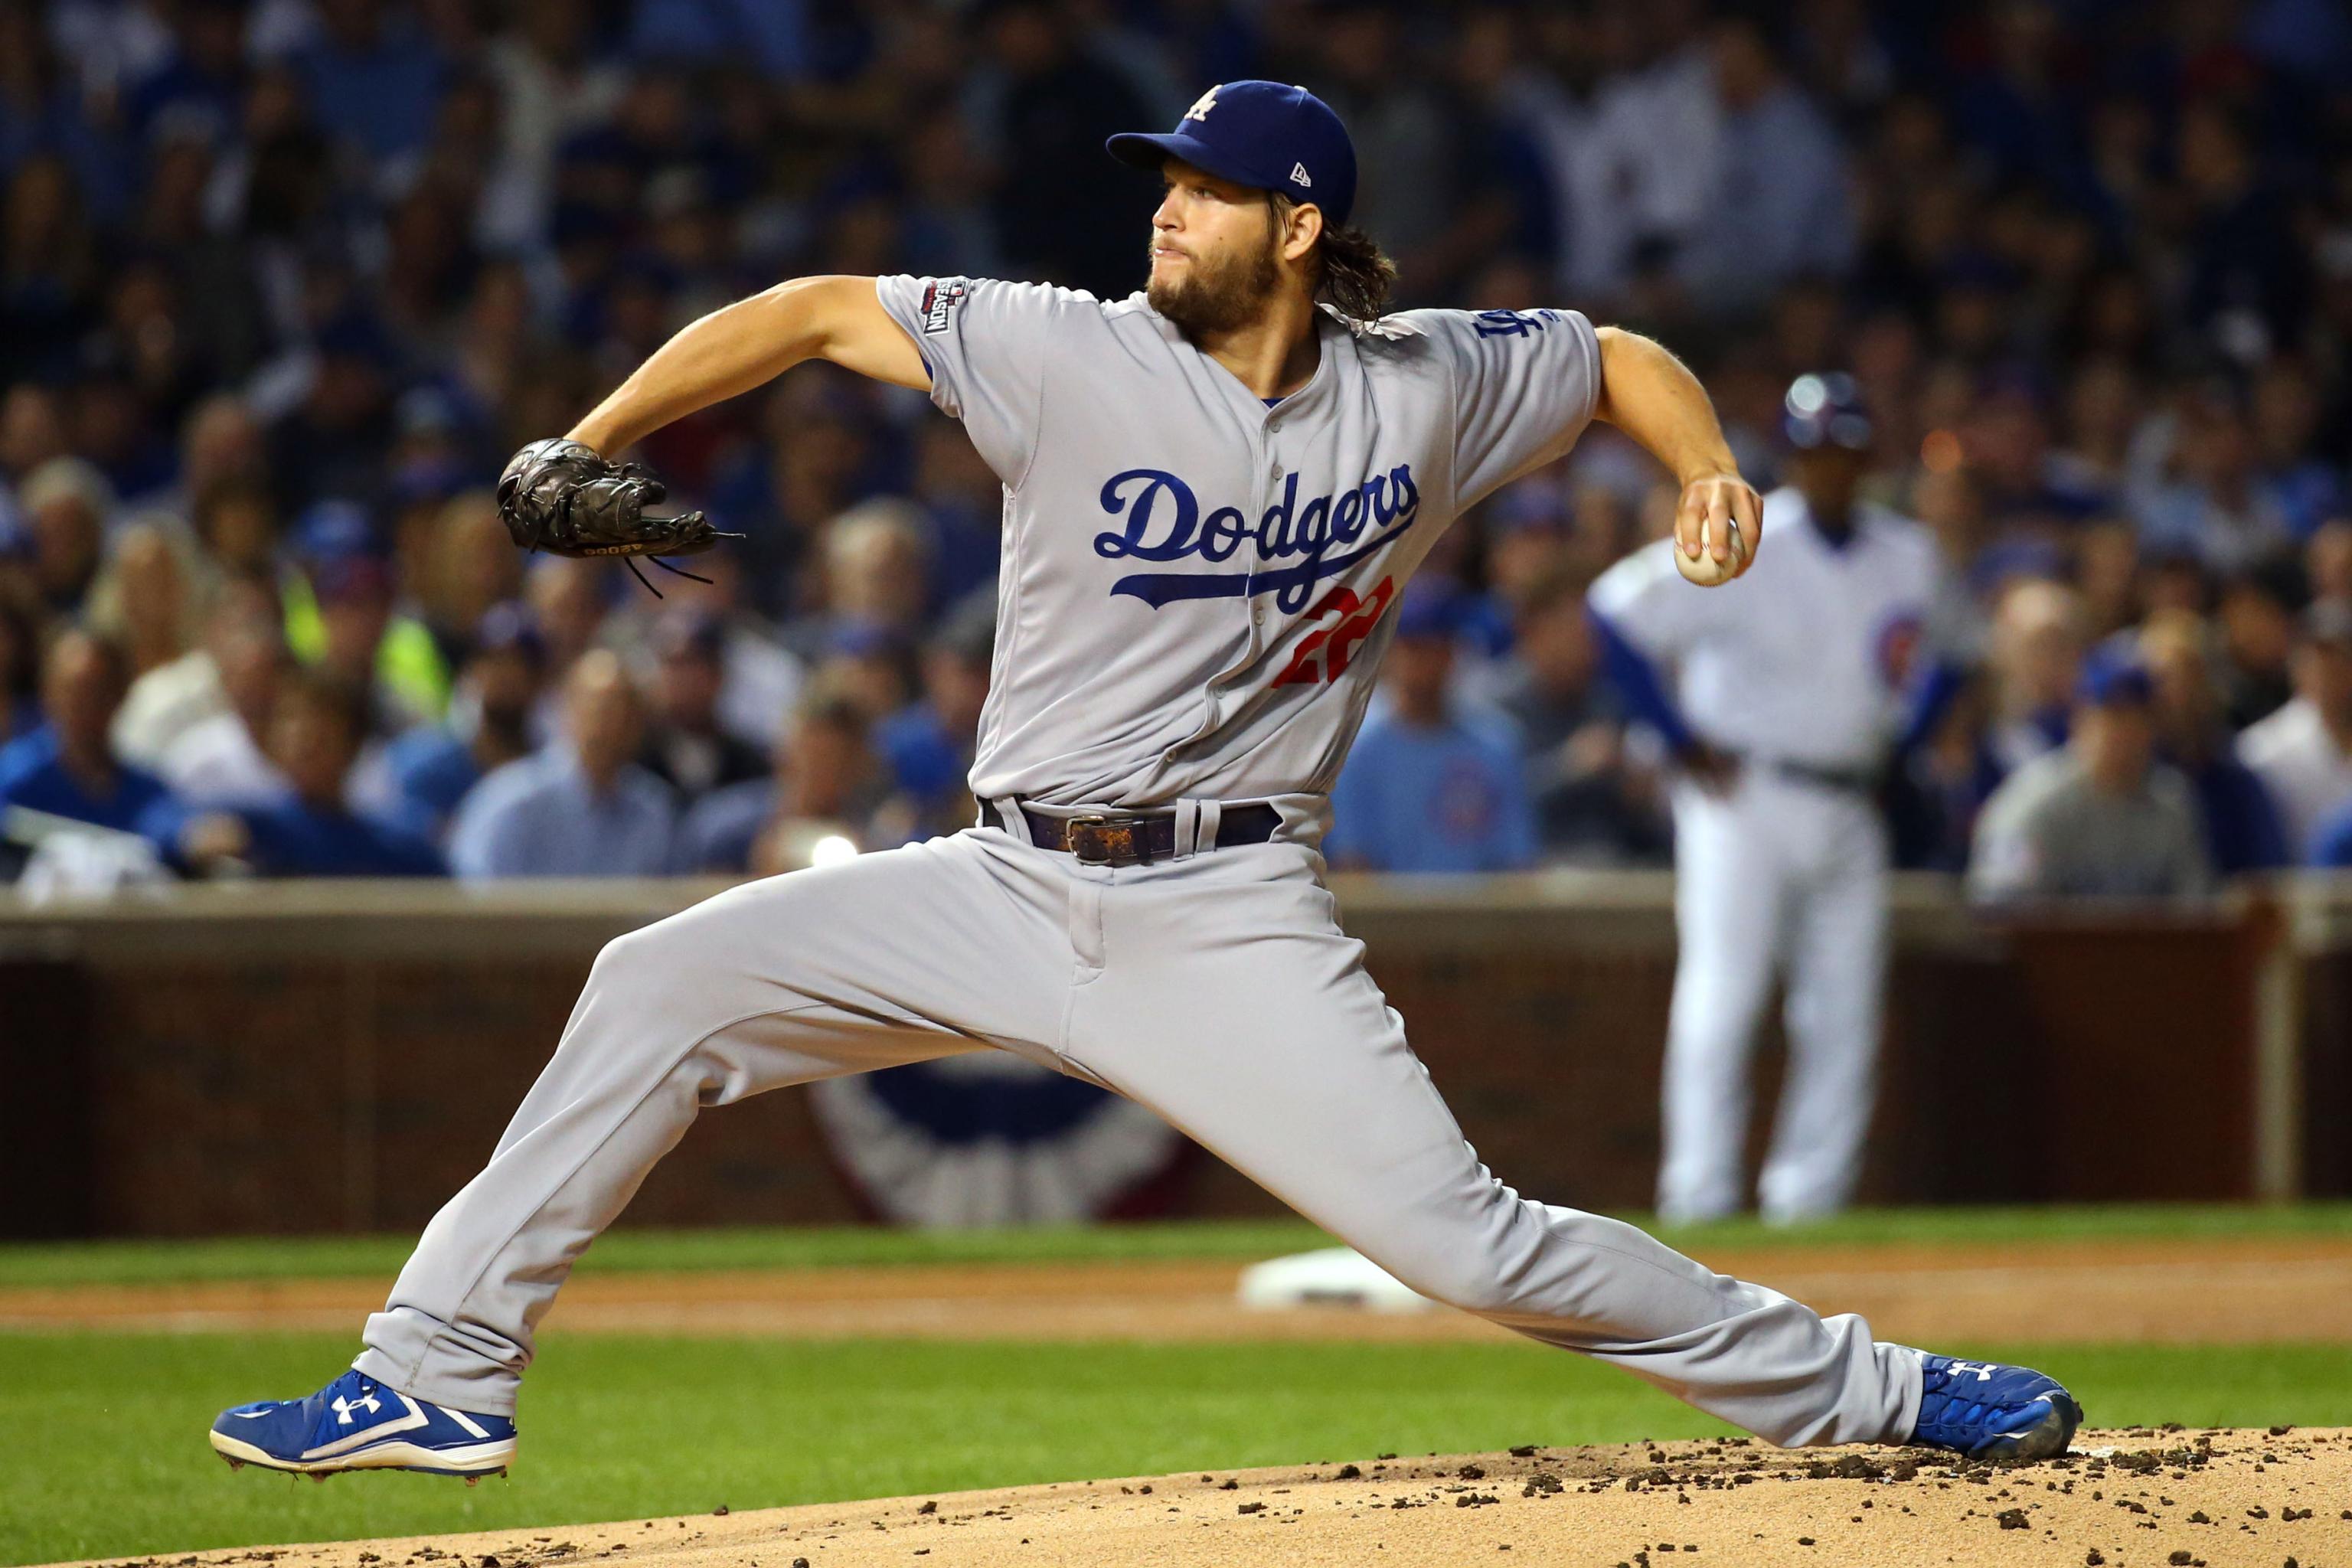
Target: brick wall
(207,1069)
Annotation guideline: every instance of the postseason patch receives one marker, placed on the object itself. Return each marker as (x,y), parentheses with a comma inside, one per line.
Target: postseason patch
(939,297)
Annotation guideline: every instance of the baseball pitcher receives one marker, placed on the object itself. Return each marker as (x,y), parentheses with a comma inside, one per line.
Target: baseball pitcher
(1215,490)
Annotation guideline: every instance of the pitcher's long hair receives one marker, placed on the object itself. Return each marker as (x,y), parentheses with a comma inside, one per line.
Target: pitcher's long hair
(1353,276)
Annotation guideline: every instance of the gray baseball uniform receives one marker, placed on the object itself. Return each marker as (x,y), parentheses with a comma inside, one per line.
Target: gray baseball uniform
(1194,596)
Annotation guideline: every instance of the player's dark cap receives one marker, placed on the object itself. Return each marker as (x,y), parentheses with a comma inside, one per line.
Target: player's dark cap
(2114,677)
(1265,134)
(1825,410)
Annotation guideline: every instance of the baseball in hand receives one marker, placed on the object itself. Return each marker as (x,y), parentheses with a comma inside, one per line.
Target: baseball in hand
(1707,571)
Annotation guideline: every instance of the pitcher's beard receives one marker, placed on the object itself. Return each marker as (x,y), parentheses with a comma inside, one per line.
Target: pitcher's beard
(1224,300)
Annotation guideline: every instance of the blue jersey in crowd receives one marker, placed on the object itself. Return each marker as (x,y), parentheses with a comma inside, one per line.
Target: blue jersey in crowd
(1443,798)
(540,817)
(32,775)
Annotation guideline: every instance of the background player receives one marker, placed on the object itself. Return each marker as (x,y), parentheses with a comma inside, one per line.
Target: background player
(1215,491)
(1786,702)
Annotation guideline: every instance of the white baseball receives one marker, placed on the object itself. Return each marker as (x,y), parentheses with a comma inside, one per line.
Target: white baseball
(1706,572)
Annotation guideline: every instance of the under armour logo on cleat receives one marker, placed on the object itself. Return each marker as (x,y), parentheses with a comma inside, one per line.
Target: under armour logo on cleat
(1299,176)
(1983,1369)
(343,1407)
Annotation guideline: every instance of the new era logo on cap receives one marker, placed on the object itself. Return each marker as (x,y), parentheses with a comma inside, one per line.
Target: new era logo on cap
(1269,135)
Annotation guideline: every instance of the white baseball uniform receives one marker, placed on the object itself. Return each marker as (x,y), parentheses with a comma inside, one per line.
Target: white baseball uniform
(1195,592)
(1798,668)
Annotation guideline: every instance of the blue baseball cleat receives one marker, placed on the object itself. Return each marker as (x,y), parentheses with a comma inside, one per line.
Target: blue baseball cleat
(357,1424)
(2010,1415)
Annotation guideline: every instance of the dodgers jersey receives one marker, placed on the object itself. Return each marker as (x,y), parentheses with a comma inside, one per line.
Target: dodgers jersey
(1195,589)
(1808,656)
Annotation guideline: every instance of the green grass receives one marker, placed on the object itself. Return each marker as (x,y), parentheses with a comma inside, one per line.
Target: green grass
(622,1426)
(379,1257)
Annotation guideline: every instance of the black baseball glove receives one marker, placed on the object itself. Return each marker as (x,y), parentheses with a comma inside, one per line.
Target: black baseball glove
(565,498)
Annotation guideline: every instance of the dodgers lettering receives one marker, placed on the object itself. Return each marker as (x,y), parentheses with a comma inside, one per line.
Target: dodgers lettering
(1161,521)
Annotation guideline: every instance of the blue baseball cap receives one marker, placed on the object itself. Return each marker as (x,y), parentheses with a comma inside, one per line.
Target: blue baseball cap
(1264,134)
(2114,677)
(1432,608)
(1826,410)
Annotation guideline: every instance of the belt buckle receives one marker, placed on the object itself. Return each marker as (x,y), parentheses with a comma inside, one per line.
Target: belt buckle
(1112,842)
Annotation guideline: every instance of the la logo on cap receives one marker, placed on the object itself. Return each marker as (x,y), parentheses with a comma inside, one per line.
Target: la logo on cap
(1200,110)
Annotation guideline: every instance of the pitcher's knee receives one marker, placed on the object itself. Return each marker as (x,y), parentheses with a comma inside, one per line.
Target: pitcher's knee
(661,949)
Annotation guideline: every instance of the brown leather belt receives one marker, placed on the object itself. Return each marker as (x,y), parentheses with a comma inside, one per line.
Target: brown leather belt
(1134,838)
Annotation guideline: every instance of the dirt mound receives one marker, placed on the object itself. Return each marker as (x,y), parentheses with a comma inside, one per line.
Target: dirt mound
(2128,1498)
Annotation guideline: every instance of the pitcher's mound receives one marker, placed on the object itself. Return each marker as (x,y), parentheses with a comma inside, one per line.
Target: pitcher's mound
(2131,1498)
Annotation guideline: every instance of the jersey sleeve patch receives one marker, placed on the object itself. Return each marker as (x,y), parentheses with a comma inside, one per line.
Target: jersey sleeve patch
(941,296)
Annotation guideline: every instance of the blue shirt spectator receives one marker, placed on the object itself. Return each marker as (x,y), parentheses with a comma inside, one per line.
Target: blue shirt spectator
(827,776)
(34,774)
(316,727)
(2243,832)
(1431,785)
(64,767)
(292,837)
(431,770)
(2243,829)
(720,829)
(547,816)
(581,809)
(434,767)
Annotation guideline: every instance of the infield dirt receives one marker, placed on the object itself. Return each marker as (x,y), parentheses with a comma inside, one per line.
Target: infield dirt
(2128,1498)
(2195,1292)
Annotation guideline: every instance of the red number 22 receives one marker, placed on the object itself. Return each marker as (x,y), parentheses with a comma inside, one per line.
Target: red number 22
(1323,654)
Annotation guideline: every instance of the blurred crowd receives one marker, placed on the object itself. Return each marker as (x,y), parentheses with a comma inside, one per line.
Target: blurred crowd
(283,281)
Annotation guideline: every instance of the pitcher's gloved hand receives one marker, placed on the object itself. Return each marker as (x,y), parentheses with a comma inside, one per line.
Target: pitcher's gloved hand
(566,499)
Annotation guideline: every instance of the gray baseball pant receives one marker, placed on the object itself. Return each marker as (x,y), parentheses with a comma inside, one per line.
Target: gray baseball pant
(1216,988)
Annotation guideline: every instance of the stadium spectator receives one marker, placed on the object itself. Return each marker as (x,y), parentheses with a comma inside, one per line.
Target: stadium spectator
(2100,816)
(65,504)
(2036,655)
(2241,827)
(432,768)
(928,745)
(316,726)
(876,575)
(221,758)
(2258,614)
(1594,803)
(759,678)
(827,780)
(170,698)
(686,746)
(2303,752)
(236,525)
(1779,175)
(1431,785)
(2094,265)
(582,807)
(66,767)
(2209,502)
